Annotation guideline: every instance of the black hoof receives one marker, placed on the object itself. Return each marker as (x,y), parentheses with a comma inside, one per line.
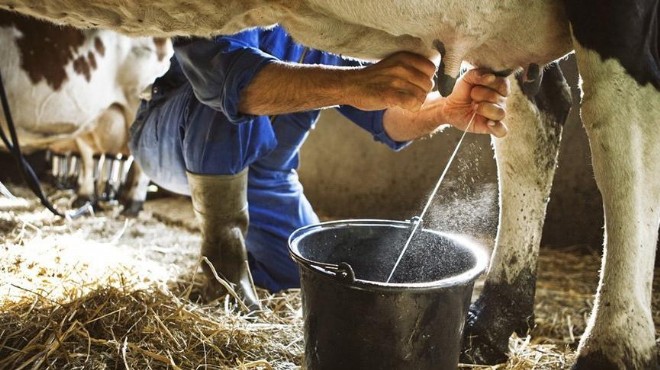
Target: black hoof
(483,346)
(83,200)
(132,209)
(501,310)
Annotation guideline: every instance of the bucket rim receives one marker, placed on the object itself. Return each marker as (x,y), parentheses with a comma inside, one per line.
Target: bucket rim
(331,270)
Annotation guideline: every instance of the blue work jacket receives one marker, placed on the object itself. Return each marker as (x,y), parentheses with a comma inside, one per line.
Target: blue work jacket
(193,124)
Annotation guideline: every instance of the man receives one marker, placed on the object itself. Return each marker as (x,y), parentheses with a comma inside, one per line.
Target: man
(226,122)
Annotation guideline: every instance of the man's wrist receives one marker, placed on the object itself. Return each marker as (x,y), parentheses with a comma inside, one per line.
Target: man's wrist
(342,85)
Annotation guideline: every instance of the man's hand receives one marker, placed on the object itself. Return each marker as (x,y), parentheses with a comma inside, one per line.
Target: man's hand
(401,80)
(481,92)
(476,91)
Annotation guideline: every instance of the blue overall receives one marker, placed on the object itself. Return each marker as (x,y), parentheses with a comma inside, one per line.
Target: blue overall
(192,123)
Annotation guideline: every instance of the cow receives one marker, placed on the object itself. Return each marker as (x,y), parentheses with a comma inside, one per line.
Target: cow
(77,91)
(616,47)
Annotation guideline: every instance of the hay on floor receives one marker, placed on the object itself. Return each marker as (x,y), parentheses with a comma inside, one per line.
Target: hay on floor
(147,329)
(104,292)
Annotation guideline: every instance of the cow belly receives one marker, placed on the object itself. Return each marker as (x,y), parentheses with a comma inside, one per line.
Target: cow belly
(523,32)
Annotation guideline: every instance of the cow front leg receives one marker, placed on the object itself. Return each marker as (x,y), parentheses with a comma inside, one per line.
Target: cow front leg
(134,191)
(526,161)
(622,118)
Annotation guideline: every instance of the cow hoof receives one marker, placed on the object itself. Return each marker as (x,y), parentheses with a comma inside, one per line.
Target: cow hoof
(597,360)
(623,337)
(132,209)
(501,310)
(83,201)
(481,344)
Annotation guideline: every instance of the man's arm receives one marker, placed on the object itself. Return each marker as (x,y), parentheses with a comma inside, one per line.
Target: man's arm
(400,84)
(401,80)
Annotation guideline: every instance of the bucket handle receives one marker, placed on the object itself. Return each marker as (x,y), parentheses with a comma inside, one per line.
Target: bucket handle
(341,271)
(345,272)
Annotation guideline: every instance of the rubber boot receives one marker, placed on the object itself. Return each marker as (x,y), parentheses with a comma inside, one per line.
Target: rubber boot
(220,205)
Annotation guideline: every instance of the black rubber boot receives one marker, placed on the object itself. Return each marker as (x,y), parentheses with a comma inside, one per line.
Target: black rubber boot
(220,205)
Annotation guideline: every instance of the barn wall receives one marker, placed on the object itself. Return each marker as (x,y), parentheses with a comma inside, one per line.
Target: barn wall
(346,174)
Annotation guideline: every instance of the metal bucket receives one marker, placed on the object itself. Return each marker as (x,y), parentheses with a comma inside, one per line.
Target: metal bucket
(353,319)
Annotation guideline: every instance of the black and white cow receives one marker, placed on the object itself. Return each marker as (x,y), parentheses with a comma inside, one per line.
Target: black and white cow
(616,45)
(73,90)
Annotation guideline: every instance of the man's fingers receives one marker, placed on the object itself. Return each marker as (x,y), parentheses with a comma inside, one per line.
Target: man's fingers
(410,67)
(412,75)
(484,78)
(490,92)
(490,111)
(499,84)
(416,61)
(404,94)
(497,128)
(484,94)
(405,101)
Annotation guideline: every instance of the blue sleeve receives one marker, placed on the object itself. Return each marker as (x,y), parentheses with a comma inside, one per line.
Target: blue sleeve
(219,69)
(373,123)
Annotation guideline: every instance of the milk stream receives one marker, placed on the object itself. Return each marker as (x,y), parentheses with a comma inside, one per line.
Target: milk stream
(417,220)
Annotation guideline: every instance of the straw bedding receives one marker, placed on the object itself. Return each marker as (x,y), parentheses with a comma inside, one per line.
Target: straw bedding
(105,292)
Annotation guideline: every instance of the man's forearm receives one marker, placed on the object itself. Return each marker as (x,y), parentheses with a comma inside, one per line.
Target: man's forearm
(281,88)
(400,80)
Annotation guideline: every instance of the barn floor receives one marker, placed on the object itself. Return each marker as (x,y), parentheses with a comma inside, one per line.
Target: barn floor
(106,292)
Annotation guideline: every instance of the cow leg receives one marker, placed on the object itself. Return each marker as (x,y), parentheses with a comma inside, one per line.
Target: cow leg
(621,118)
(134,192)
(86,192)
(526,161)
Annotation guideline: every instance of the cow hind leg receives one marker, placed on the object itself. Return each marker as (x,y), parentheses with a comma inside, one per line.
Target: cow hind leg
(621,118)
(526,161)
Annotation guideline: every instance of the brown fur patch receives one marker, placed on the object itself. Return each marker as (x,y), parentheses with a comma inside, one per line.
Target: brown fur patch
(46,48)
(98,45)
(82,67)
(92,60)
